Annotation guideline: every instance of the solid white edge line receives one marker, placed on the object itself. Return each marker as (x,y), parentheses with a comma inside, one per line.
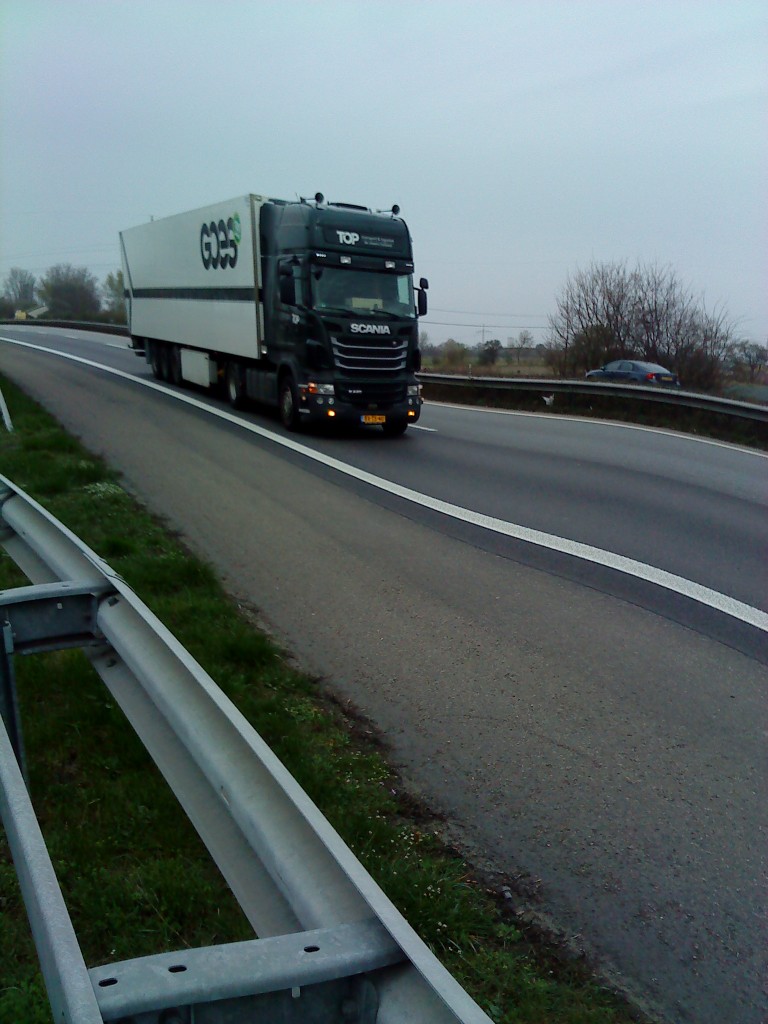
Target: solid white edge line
(565,418)
(629,566)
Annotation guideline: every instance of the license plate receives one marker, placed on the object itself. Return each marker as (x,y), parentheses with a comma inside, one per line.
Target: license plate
(665,378)
(373,419)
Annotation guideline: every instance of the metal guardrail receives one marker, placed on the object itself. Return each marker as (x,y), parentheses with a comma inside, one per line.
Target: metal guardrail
(638,392)
(331,946)
(76,325)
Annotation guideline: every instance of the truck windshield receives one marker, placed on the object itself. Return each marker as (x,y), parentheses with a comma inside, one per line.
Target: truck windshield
(363,291)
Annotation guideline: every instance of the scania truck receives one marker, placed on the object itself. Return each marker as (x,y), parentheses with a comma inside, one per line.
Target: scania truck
(306,306)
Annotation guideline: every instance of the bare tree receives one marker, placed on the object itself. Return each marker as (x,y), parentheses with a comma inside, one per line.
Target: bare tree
(749,359)
(593,347)
(663,315)
(599,296)
(524,341)
(19,288)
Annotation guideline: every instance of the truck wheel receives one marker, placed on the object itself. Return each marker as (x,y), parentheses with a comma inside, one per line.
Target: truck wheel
(235,385)
(395,428)
(289,404)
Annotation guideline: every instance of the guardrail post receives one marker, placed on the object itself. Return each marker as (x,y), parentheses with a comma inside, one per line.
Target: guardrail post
(9,705)
(5,414)
(66,977)
(46,617)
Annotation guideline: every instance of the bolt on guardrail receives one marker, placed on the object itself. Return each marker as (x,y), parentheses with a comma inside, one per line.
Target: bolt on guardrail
(331,945)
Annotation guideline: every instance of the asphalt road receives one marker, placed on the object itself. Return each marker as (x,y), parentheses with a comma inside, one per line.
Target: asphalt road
(593,739)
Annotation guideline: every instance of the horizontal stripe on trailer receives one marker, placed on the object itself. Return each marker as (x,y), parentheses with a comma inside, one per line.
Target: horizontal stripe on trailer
(195,294)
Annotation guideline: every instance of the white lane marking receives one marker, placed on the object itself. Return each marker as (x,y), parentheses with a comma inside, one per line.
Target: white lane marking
(429,430)
(651,574)
(85,336)
(95,338)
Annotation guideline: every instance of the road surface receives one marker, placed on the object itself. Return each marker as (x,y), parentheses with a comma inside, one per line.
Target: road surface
(594,738)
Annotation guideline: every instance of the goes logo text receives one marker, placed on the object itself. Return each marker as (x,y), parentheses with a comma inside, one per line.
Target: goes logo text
(219,243)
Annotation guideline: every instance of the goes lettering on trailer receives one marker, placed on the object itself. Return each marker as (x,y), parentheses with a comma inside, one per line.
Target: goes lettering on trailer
(219,242)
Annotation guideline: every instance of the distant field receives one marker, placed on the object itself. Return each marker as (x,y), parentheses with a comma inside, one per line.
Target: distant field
(503,368)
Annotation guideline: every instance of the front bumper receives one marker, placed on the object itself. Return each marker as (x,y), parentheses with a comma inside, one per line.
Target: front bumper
(364,409)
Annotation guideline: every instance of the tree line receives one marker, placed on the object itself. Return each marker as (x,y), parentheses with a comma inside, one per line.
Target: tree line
(607,311)
(64,292)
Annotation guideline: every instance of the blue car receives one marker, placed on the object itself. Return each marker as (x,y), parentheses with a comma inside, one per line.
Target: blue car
(633,372)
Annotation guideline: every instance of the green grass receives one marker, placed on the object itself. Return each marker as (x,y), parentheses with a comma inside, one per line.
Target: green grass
(135,876)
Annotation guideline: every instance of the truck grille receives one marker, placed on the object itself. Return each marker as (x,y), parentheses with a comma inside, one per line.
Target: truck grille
(365,395)
(359,357)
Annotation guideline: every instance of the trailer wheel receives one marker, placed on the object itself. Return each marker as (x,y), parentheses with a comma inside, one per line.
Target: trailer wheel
(289,404)
(164,361)
(174,365)
(235,385)
(154,359)
(395,428)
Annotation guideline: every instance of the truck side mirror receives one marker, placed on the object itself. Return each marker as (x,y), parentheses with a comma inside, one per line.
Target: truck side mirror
(423,284)
(421,302)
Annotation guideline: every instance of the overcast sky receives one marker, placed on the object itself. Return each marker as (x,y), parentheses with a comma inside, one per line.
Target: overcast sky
(522,140)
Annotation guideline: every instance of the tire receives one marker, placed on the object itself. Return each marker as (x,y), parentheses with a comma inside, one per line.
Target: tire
(174,365)
(395,428)
(154,359)
(235,384)
(289,404)
(164,362)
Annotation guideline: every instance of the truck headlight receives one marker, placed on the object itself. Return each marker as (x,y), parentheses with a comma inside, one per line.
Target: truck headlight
(414,389)
(320,389)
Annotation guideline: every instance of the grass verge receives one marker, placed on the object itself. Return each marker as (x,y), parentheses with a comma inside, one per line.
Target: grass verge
(135,876)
